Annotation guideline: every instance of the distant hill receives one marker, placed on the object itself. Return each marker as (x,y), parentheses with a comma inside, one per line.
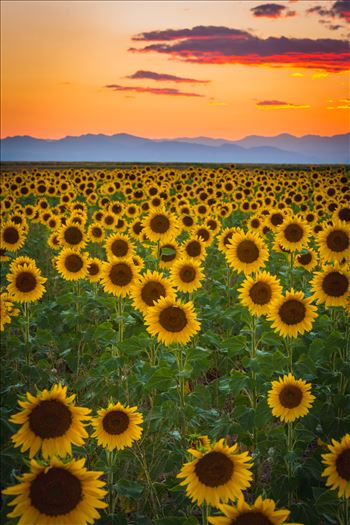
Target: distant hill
(122,147)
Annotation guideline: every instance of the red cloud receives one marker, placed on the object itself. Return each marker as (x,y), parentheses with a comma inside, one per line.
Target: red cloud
(153,91)
(231,46)
(166,78)
(272,11)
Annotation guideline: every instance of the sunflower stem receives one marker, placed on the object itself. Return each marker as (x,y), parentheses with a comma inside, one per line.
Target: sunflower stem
(253,376)
(110,459)
(205,513)
(120,312)
(290,447)
(291,270)
(158,255)
(27,331)
(153,493)
(180,367)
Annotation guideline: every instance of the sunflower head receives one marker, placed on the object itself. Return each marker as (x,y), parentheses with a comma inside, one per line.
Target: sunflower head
(72,264)
(151,287)
(246,252)
(118,276)
(26,282)
(71,235)
(292,314)
(334,242)
(258,293)
(293,234)
(186,274)
(337,469)
(331,286)
(290,398)
(119,246)
(160,225)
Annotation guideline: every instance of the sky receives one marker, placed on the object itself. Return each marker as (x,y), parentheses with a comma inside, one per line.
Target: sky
(164,69)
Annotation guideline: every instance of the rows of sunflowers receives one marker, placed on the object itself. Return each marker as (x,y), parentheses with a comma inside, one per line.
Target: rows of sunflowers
(175,346)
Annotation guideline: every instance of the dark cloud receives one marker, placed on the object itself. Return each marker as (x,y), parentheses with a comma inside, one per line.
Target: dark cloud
(272,11)
(334,27)
(340,9)
(154,91)
(164,77)
(231,46)
(278,104)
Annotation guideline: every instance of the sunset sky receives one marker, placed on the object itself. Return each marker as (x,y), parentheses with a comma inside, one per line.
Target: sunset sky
(174,69)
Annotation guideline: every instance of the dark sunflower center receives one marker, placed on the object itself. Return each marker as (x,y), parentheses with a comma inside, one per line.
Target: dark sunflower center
(203,233)
(173,319)
(247,251)
(337,241)
(119,248)
(344,214)
(96,232)
(343,464)
(25,282)
(93,269)
(115,422)
(11,235)
(255,223)
(260,293)
(73,263)
(251,518)
(305,258)
(50,419)
(293,233)
(137,227)
(187,220)
(276,219)
(73,235)
(55,493)
(214,469)
(335,284)
(109,220)
(160,224)
(187,274)
(2,252)
(290,396)
(292,312)
(193,249)
(152,291)
(227,238)
(120,274)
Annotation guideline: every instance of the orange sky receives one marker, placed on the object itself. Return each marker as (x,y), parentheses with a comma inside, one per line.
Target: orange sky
(58,58)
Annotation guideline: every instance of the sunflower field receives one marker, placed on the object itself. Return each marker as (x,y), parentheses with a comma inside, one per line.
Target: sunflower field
(175,345)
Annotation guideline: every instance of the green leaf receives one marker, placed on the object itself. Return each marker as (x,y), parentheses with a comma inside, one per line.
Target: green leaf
(129,489)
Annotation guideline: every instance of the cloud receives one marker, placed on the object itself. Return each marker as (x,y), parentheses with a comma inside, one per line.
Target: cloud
(164,77)
(319,75)
(297,74)
(153,91)
(223,45)
(343,103)
(334,27)
(278,104)
(340,9)
(272,11)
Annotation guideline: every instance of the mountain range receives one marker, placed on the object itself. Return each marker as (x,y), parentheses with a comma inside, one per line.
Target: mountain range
(122,147)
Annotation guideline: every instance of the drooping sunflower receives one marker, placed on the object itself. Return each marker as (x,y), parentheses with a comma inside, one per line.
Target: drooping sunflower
(71,235)
(290,398)
(307,260)
(246,252)
(338,466)
(58,493)
(72,264)
(172,321)
(118,276)
(50,423)
(26,283)
(261,512)
(186,274)
(293,234)
(257,293)
(292,314)
(7,310)
(149,289)
(331,286)
(217,474)
(94,269)
(119,246)
(334,242)
(117,426)
(12,237)
(160,225)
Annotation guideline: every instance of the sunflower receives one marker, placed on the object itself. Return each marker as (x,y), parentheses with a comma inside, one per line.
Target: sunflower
(334,242)
(72,236)
(246,252)
(72,264)
(293,234)
(117,426)
(307,260)
(338,466)
(94,269)
(149,289)
(292,314)
(160,225)
(290,398)
(225,237)
(186,274)
(218,474)
(26,283)
(118,276)
(261,512)
(172,321)
(119,246)
(169,253)
(53,241)
(257,293)
(50,423)
(58,493)
(95,232)
(3,256)
(12,237)
(275,218)
(331,286)
(7,310)
(194,249)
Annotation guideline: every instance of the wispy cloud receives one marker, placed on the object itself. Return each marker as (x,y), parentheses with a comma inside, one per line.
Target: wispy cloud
(342,103)
(320,75)
(278,104)
(151,75)
(339,9)
(223,45)
(297,74)
(272,11)
(154,91)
